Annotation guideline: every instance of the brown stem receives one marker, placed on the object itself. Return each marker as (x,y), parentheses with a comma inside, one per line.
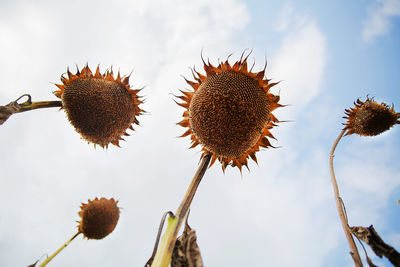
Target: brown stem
(164,252)
(41,104)
(29,105)
(15,107)
(191,191)
(187,199)
(339,204)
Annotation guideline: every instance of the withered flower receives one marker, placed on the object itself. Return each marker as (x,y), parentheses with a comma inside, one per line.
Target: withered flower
(229,112)
(99,217)
(370,118)
(366,119)
(99,106)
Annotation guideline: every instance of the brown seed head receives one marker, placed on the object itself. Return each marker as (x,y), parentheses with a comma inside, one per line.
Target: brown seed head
(370,118)
(98,218)
(100,107)
(229,112)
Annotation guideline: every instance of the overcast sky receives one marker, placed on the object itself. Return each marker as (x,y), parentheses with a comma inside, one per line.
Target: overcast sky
(282,213)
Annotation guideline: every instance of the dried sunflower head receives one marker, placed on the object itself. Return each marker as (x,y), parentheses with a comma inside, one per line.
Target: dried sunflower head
(229,112)
(370,118)
(99,217)
(99,106)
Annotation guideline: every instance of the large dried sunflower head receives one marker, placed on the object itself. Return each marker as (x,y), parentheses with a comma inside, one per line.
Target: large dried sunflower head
(370,118)
(99,217)
(99,106)
(229,112)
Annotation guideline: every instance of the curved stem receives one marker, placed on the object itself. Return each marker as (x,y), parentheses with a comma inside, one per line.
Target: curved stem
(171,214)
(164,252)
(340,206)
(44,263)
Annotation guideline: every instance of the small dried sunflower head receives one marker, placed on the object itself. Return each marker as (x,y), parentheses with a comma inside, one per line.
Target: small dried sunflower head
(370,118)
(99,217)
(229,112)
(99,106)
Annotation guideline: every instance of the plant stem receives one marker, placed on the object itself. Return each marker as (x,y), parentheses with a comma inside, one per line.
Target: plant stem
(29,105)
(164,252)
(44,263)
(15,107)
(40,104)
(160,228)
(339,204)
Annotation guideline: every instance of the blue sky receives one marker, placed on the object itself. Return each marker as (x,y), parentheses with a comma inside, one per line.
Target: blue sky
(326,55)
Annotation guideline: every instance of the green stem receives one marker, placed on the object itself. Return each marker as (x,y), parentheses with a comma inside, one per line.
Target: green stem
(160,228)
(164,252)
(163,256)
(44,263)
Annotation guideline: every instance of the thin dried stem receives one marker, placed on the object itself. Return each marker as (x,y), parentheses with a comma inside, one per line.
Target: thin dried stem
(171,214)
(41,104)
(44,263)
(164,252)
(15,107)
(339,204)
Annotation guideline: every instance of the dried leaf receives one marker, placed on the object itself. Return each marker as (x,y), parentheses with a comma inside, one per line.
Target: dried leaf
(370,263)
(186,251)
(34,264)
(7,110)
(378,246)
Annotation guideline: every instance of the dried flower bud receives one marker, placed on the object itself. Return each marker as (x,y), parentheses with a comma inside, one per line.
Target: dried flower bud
(100,107)
(370,118)
(98,218)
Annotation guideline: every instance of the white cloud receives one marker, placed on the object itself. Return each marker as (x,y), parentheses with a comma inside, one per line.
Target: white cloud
(379,18)
(48,170)
(285,18)
(285,204)
(367,177)
(301,59)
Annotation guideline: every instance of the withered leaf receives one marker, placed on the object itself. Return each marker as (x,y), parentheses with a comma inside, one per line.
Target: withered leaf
(370,263)
(378,246)
(34,264)
(186,251)
(7,110)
